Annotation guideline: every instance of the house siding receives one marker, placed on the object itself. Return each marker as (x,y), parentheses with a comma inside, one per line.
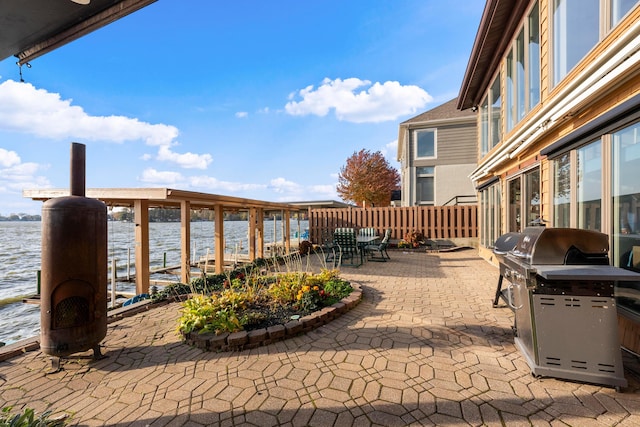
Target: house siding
(452,146)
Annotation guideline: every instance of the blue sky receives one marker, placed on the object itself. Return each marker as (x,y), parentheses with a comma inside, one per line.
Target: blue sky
(248,98)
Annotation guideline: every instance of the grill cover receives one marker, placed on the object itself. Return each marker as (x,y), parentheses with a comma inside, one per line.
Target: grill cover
(562,246)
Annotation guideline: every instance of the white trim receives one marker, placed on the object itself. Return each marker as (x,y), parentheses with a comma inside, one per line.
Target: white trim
(415,143)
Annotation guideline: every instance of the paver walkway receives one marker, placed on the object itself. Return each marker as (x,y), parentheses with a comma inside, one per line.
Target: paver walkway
(424,347)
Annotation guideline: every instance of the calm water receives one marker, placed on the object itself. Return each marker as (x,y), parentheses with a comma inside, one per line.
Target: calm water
(20,260)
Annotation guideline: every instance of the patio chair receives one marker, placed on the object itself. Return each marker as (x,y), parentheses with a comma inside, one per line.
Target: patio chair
(368,231)
(327,246)
(346,246)
(380,248)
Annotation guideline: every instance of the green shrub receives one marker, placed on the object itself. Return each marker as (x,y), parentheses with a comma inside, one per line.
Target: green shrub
(246,301)
(28,418)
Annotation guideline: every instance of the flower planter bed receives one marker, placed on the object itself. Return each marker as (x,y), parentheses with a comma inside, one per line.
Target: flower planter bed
(244,340)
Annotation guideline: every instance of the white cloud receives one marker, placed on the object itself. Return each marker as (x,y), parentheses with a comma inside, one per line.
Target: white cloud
(392,146)
(28,110)
(186,160)
(8,158)
(210,184)
(281,185)
(390,152)
(164,178)
(284,189)
(37,112)
(242,114)
(325,191)
(358,101)
(15,175)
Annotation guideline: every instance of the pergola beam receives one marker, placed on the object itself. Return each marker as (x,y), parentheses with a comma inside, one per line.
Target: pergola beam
(142,199)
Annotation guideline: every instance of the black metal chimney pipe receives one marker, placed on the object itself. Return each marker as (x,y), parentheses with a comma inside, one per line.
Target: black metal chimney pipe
(78,169)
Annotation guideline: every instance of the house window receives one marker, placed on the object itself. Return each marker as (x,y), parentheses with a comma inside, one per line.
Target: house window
(524,200)
(484,126)
(523,71)
(425,143)
(578,25)
(533,56)
(490,199)
(626,197)
(515,206)
(511,94)
(589,186)
(532,196)
(586,181)
(619,8)
(577,187)
(519,64)
(425,185)
(494,128)
(562,191)
(490,131)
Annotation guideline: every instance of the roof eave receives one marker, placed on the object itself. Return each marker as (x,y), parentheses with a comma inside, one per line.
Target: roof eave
(499,21)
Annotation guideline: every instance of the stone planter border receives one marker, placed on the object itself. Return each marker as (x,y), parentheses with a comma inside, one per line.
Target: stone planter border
(244,340)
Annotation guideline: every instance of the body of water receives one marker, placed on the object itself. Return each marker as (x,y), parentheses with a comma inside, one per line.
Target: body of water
(21,252)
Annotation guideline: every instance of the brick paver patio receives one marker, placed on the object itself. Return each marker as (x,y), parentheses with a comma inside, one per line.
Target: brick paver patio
(424,347)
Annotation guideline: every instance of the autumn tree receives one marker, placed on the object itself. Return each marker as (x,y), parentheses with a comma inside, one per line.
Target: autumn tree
(367,178)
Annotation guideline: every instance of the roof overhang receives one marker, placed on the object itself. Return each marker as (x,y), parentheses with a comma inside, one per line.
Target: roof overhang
(30,28)
(499,21)
(164,198)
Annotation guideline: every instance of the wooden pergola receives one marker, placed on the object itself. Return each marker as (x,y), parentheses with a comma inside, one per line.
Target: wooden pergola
(142,199)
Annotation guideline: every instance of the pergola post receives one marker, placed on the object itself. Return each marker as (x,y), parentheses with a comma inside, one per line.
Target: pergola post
(185,241)
(141,218)
(286,231)
(260,232)
(252,233)
(218,238)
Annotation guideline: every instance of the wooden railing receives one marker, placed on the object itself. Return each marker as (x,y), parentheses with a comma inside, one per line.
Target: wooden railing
(435,222)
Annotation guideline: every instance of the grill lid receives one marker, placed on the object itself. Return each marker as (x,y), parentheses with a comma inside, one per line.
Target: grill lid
(562,246)
(506,243)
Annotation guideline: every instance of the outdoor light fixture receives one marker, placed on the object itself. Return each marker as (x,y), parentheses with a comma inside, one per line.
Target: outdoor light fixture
(85,2)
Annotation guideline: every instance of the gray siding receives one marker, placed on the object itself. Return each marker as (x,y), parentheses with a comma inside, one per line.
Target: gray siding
(455,145)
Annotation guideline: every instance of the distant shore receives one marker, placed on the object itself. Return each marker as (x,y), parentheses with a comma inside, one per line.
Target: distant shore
(21,217)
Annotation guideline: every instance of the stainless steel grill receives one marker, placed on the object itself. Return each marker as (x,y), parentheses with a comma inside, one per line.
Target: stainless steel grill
(561,288)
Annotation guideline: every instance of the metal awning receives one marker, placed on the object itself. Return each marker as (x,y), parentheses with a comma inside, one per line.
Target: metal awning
(30,28)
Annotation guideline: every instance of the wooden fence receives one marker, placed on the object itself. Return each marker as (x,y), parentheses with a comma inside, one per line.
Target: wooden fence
(434,222)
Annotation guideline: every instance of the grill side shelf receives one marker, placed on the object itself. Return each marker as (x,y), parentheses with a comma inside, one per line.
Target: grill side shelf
(585,272)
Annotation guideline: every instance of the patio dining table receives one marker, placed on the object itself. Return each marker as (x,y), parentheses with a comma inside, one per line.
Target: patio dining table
(364,241)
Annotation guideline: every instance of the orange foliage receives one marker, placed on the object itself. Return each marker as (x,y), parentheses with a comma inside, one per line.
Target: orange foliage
(367,178)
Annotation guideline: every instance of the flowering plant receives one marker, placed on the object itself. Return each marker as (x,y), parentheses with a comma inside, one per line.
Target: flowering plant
(245,301)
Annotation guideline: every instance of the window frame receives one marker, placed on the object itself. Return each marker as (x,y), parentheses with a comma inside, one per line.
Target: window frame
(426,175)
(434,131)
(519,211)
(522,68)
(490,137)
(490,211)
